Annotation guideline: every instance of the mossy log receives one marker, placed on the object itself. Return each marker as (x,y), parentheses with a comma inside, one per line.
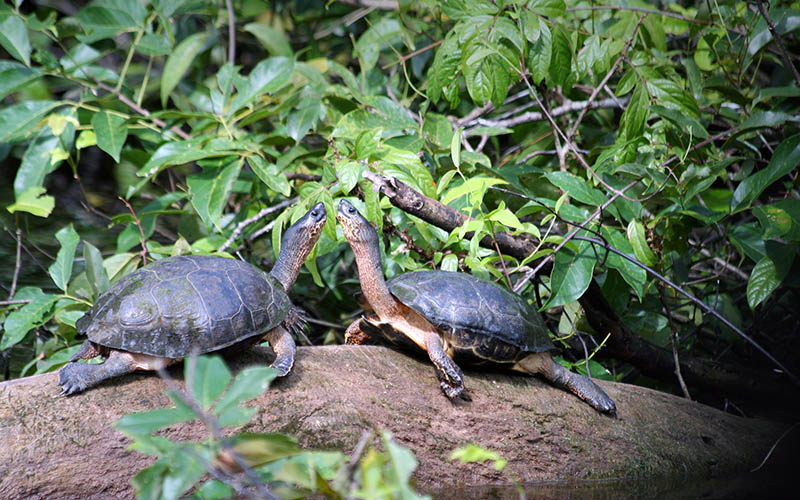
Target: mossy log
(65,447)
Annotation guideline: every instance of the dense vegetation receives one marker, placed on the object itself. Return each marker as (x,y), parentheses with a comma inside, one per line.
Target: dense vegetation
(665,131)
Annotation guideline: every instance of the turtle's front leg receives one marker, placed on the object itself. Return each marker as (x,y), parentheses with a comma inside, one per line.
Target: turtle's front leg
(451,379)
(284,348)
(75,377)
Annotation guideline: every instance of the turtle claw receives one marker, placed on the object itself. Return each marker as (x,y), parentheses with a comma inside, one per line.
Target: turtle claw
(67,380)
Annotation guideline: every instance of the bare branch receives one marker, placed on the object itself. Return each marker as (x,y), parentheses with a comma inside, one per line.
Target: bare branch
(260,215)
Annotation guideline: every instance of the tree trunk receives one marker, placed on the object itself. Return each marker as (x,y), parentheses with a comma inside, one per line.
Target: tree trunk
(65,447)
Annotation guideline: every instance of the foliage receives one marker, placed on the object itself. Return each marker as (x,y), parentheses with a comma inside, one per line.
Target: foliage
(258,465)
(670,134)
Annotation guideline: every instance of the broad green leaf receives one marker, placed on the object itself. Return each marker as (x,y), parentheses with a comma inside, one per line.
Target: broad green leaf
(635,115)
(86,139)
(410,163)
(785,159)
(572,272)
(186,467)
(260,449)
(211,189)
(111,131)
(15,76)
(473,453)
(249,383)
(478,73)
(270,174)
(95,272)
(154,45)
(179,61)
(540,55)
(270,38)
(576,187)
(402,464)
(33,314)
(181,152)
(17,120)
(107,20)
(473,186)
(549,8)
(769,272)
(682,121)
(270,75)
(304,118)
(368,143)
(780,220)
(561,60)
(633,275)
(61,269)
(236,416)
(379,36)
(209,379)
(33,202)
(449,263)
(14,38)
(704,56)
(348,173)
(638,240)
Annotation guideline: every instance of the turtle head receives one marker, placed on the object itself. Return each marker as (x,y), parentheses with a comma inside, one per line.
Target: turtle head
(358,231)
(297,243)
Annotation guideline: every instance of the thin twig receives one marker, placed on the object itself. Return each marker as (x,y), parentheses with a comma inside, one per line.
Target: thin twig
(141,110)
(785,433)
(406,57)
(231,33)
(533,116)
(674,338)
(260,215)
(775,36)
(4,303)
(141,231)
(17,265)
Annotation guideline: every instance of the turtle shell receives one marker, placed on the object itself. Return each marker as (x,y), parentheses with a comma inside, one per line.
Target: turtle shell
(179,305)
(479,319)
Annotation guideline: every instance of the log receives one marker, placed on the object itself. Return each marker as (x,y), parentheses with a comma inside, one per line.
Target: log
(65,447)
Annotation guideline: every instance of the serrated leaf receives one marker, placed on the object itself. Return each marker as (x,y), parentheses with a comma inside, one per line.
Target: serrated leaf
(14,38)
(178,63)
(111,131)
(61,269)
(33,202)
(95,272)
(33,314)
(785,159)
(769,272)
(638,241)
(572,273)
(209,379)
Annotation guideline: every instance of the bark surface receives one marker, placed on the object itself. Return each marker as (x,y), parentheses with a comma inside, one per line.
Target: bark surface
(65,447)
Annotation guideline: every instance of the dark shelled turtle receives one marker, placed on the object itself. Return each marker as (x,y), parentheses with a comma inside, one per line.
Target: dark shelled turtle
(455,316)
(178,306)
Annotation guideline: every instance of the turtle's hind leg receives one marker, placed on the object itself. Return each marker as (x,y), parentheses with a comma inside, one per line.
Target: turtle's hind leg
(580,385)
(284,348)
(75,377)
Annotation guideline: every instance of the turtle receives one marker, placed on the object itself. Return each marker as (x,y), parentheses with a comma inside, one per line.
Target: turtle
(454,316)
(193,304)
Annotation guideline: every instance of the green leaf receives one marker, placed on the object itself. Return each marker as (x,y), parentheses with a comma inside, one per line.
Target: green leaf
(576,187)
(249,383)
(638,240)
(270,174)
(260,449)
(209,380)
(561,59)
(304,118)
(111,131)
(154,45)
(634,275)
(270,75)
(769,272)
(449,263)
(145,422)
(572,272)
(780,220)
(95,272)
(402,464)
(33,314)
(182,152)
(784,160)
(61,269)
(478,73)
(14,38)
(15,76)
(455,148)
(211,189)
(472,453)
(271,39)
(540,55)
(348,173)
(17,120)
(384,33)
(549,8)
(33,202)
(635,115)
(178,63)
